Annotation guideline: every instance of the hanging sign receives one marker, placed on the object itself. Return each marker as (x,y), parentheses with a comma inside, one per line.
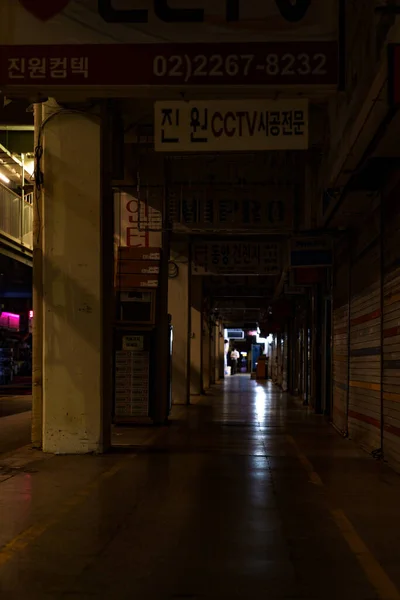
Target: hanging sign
(311,252)
(137,223)
(169,64)
(219,208)
(87,43)
(231,125)
(93,21)
(236,258)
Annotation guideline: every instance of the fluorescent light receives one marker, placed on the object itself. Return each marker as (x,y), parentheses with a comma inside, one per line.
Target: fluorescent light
(4,178)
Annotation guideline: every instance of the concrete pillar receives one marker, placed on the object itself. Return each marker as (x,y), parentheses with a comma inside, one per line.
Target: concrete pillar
(72,282)
(196,341)
(178,308)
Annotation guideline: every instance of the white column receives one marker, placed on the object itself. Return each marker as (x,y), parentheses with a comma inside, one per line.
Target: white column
(72,323)
(196,336)
(178,308)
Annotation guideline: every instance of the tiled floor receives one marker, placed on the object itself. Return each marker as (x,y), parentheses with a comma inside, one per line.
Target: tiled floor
(244,495)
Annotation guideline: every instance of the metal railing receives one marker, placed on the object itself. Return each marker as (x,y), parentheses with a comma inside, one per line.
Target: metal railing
(16,216)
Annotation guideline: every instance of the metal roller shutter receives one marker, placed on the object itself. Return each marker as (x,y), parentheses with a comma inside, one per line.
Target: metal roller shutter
(365,351)
(391,332)
(340,340)
(391,367)
(340,367)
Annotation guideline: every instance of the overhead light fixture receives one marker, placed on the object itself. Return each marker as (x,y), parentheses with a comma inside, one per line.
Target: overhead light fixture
(4,178)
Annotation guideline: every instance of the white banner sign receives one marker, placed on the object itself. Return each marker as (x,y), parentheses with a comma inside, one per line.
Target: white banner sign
(232,125)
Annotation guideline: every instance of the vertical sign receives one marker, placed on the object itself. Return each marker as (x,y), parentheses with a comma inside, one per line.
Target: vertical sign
(137,224)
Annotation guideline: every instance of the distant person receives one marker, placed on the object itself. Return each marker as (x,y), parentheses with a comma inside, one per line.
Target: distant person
(234,361)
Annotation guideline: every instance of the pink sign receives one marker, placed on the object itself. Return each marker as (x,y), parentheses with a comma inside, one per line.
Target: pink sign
(9,321)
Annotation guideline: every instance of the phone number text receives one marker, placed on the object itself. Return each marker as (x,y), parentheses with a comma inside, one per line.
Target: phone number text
(216,67)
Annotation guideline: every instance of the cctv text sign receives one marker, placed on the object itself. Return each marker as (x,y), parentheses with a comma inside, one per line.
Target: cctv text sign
(237,125)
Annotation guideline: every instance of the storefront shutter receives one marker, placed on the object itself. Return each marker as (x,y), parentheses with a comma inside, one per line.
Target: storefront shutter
(340,340)
(364,413)
(391,331)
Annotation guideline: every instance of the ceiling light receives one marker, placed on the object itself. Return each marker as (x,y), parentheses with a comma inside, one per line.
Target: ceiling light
(4,178)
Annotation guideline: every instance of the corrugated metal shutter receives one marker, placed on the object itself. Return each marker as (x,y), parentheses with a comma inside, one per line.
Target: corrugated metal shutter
(340,367)
(340,342)
(365,351)
(391,367)
(391,333)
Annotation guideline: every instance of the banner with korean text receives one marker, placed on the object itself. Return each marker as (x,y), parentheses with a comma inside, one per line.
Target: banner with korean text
(236,258)
(240,208)
(84,43)
(231,125)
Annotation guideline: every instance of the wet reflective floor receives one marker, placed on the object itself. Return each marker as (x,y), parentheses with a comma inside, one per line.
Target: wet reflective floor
(244,495)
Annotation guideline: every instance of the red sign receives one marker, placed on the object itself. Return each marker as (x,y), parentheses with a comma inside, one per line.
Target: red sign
(44,9)
(291,63)
(394,73)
